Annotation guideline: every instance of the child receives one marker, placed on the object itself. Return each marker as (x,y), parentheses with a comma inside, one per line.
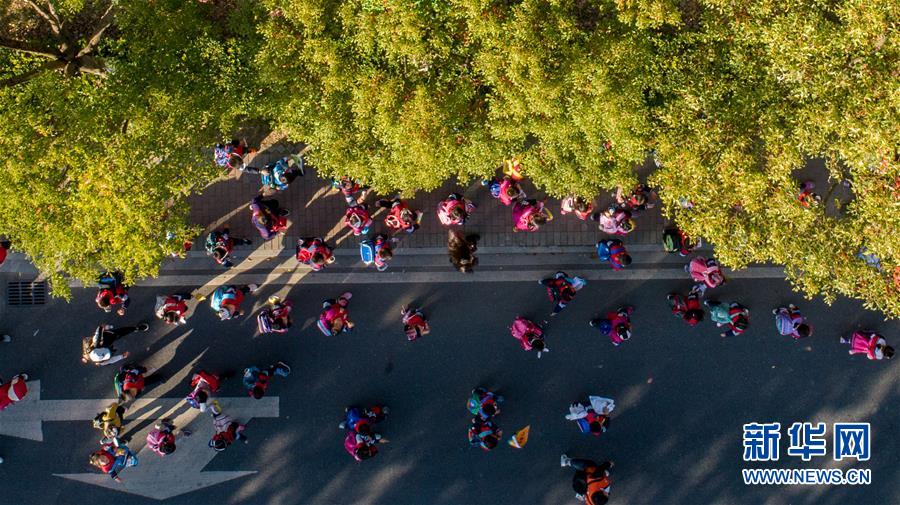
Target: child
(615,221)
(315,253)
(276,318)
(617,325)
(357,219)
(414,323)
(112,292)
(735,316)
(576,205)
(172,308)
(220,244)
(483,403)
(256,380)
(161,439)
(705,271)
(334,318)
(454,210)
(400,216)
(529,335)
(226,300)
(872,344)
(562,289)
(789,321)
(505,189)
(530,215)
(594,417)
(613,252)
(688,308)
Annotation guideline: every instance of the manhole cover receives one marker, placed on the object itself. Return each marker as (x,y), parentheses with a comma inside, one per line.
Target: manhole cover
(26,293)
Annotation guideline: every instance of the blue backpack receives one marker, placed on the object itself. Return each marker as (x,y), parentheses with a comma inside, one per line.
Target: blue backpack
(367,251)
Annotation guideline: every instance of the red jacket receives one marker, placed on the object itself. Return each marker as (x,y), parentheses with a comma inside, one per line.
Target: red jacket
(12,392)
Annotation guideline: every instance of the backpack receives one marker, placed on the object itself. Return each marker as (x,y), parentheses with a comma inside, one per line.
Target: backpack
(671,240)
(263,323)
(367,252)
(212,240)
(221,153)
(109,280)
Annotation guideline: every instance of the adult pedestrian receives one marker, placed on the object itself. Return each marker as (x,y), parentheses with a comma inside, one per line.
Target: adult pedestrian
(461,249)
(591,480)
(98,348)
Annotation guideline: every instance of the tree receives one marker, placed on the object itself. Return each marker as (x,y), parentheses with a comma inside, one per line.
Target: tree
(385,89)
(96,169)
(763,87)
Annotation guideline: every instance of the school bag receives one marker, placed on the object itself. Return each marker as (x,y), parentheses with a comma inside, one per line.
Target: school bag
(367,251)
(671,240)
(212,241)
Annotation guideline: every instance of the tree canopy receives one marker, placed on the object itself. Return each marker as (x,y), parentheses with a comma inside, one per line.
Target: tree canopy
(731,98)
(100,153)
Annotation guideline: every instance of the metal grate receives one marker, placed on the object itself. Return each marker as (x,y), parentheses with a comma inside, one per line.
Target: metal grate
(26,293)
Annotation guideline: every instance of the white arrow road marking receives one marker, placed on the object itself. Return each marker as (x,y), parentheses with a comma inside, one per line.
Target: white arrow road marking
(155,476)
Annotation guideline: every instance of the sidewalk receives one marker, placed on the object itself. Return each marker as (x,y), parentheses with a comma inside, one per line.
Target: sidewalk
(318,210)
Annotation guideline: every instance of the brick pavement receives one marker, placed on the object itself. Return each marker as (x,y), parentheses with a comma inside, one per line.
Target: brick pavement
(318,210)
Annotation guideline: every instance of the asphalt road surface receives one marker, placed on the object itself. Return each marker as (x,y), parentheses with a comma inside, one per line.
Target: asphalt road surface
(682,396)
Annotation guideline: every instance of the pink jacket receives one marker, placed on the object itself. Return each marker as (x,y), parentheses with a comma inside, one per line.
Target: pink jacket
(521,329)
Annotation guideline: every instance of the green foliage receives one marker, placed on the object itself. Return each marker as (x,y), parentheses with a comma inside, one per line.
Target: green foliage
(732,98)
(96,171)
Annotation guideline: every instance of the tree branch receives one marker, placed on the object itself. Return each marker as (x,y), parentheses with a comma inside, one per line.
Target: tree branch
(52,11)
(25,47)
(52,21)
(27,76)
(104,23)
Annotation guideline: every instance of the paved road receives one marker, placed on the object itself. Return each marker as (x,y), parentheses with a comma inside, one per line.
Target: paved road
(682,395)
